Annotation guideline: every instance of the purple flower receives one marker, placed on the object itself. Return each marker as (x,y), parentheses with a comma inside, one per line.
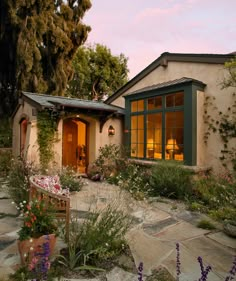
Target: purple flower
(140,272)
(178,263)
(232,271)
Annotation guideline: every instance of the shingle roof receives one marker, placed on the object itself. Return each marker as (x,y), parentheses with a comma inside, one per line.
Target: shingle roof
(47,101)
(180,81)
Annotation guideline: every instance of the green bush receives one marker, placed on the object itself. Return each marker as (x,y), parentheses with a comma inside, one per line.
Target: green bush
(170,180)
(69,179)
(101,236)
(18,179)
(206,224)
(135,179)
(106,161)
(215,190)
(5,161)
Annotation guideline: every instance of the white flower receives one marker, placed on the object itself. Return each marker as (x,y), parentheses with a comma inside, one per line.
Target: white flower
(25,255)
(13,202)
(107,244)
(24,202)
(31,240)
(31,248)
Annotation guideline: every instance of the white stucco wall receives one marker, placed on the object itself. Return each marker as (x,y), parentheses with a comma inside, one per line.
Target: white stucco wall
(210,74)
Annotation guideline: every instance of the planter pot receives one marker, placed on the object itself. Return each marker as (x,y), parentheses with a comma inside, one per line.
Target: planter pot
(34,246)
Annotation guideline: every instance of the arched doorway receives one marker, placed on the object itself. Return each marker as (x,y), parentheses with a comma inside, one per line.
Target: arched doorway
(23,131)
(75,148)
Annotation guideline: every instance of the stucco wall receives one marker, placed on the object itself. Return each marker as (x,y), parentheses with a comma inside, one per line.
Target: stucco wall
(210,74)
(31,147)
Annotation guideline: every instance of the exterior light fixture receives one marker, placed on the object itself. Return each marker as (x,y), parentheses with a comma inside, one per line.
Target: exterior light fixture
(111,131)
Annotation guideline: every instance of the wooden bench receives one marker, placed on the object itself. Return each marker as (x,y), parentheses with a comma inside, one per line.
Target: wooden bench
(60,201)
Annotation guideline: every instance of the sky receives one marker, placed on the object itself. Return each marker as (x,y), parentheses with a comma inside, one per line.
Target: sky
(144,29)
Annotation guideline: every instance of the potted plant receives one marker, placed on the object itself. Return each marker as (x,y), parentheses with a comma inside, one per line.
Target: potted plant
(39,228)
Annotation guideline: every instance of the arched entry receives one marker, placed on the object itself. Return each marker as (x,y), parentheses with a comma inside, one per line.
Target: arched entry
(74,151)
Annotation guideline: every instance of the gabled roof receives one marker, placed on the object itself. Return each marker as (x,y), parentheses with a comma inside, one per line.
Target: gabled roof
(171,83)
(163,61)
(41,101)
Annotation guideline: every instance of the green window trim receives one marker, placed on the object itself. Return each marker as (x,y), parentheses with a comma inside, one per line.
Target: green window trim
(189,109)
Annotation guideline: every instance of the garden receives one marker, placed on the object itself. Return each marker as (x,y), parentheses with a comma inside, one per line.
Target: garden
(96,243)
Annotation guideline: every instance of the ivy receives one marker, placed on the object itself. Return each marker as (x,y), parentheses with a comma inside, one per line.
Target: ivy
(225,125)
(46,137)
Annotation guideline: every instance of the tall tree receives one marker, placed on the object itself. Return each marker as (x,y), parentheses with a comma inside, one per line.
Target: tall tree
(97,73)
(44,35)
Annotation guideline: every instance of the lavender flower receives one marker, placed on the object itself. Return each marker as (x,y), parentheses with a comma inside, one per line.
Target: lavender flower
(204,272)
(232,271)
(178,263)
(140,272)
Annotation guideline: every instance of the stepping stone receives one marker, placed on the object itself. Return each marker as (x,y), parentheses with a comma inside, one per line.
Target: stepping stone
(118,274)
(5,242)
(152,229)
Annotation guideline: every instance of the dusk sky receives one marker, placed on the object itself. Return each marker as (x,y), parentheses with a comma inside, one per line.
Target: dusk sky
(143,29)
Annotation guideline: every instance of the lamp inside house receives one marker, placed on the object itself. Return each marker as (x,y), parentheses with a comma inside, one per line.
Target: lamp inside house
(111,131)
(150,148)
(172,147)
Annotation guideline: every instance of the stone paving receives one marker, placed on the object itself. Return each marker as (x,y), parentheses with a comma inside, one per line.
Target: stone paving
(157,228)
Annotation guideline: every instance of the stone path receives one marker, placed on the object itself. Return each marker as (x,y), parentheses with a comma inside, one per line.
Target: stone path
(152,239)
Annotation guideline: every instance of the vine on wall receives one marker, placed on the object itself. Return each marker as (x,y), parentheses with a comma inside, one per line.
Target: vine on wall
(46,137)
(225,125)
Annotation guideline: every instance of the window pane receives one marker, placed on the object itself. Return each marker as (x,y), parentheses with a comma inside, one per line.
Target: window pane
(140,120)
(154,135)
(141,105)
(170,100)
(134,106)
(174,135)
(134,122)
(176,99)
(140,153)
(154,103)
(179,99)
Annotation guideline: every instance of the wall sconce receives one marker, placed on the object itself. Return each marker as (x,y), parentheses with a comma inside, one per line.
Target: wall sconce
(111,131)
(172,147)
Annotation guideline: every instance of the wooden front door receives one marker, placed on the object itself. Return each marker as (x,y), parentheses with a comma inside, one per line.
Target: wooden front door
(70,140)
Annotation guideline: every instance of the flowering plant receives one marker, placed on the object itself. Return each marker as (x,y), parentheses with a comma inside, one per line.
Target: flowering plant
(38,219)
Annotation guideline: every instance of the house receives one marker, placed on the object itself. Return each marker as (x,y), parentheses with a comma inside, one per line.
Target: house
(169,106)
(159,114)
(81,128)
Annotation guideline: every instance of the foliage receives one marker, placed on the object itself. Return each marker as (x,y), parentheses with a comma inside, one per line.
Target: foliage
(38,219)
(135,179)
(230,81)
(46,138)
(97,73)
(44,35)
(170,180)
(18,179)
(225,122)
(206,224)
(101,236)
(106,161)
(5,133)
(216,195)
(5,161)
(69,179)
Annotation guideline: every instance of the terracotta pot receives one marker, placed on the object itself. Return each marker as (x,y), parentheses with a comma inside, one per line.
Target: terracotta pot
(29,248)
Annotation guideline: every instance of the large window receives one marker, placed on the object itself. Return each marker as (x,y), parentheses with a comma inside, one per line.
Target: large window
(161,121)
(157,127)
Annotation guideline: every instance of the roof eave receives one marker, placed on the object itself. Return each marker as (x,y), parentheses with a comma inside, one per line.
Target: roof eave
(163,61)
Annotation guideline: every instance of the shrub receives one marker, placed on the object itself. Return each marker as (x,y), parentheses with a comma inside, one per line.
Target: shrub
(69,179)
(5,161)
(170,180)
(18,179)
(206,224)
(106,161)
(101,236)
(134,178)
